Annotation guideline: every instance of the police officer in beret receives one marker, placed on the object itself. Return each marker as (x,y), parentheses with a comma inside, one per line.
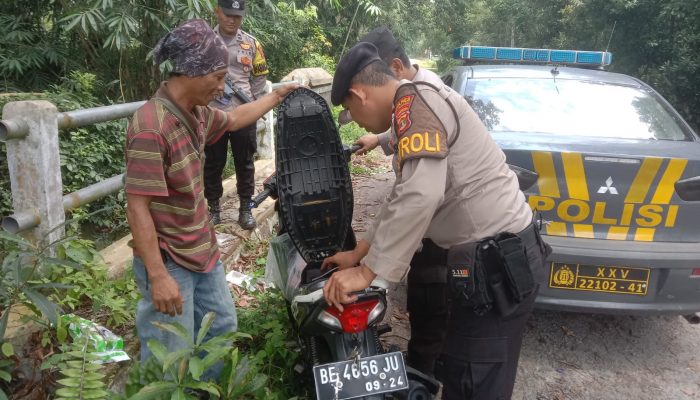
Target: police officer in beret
(394,55)
(247,74)
(455,203)
(426,281)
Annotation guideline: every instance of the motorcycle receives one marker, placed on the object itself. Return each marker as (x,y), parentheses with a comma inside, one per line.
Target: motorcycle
(341,351)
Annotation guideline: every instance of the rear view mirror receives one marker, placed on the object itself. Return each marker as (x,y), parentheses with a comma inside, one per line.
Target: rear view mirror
(526,178)
(689,189)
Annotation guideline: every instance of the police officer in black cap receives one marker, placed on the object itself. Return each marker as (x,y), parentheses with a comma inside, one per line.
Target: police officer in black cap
(245,81)
(426,281)
(456,203)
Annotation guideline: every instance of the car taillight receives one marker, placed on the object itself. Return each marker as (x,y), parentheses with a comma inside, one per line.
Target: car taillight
(695,273)
(355,317)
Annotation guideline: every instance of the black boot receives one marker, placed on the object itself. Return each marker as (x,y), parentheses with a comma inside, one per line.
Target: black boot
(245,215)
(214,211)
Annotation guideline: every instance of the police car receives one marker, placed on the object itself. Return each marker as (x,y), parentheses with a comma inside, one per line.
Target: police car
(610,166)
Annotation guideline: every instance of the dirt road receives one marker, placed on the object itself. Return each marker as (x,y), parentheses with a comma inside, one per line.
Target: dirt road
(576,356)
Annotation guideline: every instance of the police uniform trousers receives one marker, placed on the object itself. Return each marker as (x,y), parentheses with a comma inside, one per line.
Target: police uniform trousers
(474,354)
(480,354)
(244,144)
(426,302)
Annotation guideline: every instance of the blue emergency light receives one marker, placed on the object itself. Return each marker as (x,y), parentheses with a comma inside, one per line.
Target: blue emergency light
(524,55)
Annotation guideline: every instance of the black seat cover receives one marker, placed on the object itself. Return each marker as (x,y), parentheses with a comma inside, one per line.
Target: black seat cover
(313,178)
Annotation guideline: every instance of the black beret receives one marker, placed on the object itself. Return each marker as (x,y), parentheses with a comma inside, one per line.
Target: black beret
(385,42)
(354,61)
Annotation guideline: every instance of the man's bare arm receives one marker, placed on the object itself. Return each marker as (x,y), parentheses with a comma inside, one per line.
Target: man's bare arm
(247,114)
(164,289)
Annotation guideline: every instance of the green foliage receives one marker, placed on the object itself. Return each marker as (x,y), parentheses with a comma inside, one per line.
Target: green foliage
(20,276)
(31,276)
(24,48)
(273,347)
(292,38)
(6,365)
(82,378)
(349,133)
(345,22)
(179,374)
(117,37)
(115,299)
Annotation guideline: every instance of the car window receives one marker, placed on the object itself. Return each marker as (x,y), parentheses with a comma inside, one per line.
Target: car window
(571,108)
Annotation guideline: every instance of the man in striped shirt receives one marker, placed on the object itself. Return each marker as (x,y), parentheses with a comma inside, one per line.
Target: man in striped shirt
(176,257)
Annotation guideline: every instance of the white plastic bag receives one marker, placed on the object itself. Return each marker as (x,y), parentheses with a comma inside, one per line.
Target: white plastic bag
(284,265)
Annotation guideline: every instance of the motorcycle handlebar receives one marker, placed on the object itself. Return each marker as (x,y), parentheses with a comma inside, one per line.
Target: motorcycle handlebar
(350,151)
(257,200)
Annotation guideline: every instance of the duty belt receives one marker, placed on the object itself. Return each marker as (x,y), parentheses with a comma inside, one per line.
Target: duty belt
(495,271)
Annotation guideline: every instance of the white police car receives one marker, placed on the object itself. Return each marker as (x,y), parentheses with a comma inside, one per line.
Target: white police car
(608,163)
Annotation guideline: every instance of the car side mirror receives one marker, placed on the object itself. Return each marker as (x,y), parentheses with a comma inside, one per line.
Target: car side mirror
(526,178)
(688,189)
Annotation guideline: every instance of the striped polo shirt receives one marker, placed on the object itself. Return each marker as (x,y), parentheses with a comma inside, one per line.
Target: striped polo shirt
(165,160)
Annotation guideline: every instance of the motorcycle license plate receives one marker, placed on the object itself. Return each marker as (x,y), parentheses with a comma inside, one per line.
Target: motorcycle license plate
(370,375)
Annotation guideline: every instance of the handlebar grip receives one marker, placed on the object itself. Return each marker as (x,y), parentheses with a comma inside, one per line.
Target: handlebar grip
(348,151)
(259,198)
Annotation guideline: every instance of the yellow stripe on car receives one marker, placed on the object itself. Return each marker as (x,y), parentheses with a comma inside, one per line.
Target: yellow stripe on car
(583,231)
(618,232)
(644,234)
(575,176)
(665,189)
(642,182)
(547,180)
(556,229)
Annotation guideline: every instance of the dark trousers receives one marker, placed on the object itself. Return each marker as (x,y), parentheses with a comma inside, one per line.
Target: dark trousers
(244,144)
(481,353)
(426,300)
(474,356)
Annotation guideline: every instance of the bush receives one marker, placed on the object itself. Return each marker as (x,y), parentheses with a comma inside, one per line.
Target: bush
(292,38)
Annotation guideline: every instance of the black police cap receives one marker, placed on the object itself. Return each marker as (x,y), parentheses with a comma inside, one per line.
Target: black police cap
(384,40)
(354,61)
(232,7)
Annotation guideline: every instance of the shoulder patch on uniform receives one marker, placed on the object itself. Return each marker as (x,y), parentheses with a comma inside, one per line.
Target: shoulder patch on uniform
(402,113)
(419,131)
(259,61)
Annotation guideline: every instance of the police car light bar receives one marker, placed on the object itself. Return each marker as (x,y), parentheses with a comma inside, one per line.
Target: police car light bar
(519,54)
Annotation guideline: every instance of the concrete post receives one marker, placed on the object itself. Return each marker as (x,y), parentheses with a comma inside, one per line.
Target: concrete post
(35,168)
(266,137)
(318,79)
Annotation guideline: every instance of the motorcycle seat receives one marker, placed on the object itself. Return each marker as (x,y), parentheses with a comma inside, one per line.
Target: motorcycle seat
(313,178)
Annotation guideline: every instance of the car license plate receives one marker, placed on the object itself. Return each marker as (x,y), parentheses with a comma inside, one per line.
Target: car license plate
(371,375)
(595,278)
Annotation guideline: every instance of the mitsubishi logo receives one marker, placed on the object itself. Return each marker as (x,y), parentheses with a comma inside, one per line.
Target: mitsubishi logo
(608,188)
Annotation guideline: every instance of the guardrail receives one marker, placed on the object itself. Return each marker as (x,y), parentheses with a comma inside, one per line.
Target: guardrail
(30,130)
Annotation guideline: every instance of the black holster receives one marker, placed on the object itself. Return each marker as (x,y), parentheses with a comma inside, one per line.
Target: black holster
(494,272)
(466,278)
(509,277)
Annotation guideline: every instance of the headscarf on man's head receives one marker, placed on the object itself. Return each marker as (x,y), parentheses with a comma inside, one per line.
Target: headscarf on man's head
(193,48)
